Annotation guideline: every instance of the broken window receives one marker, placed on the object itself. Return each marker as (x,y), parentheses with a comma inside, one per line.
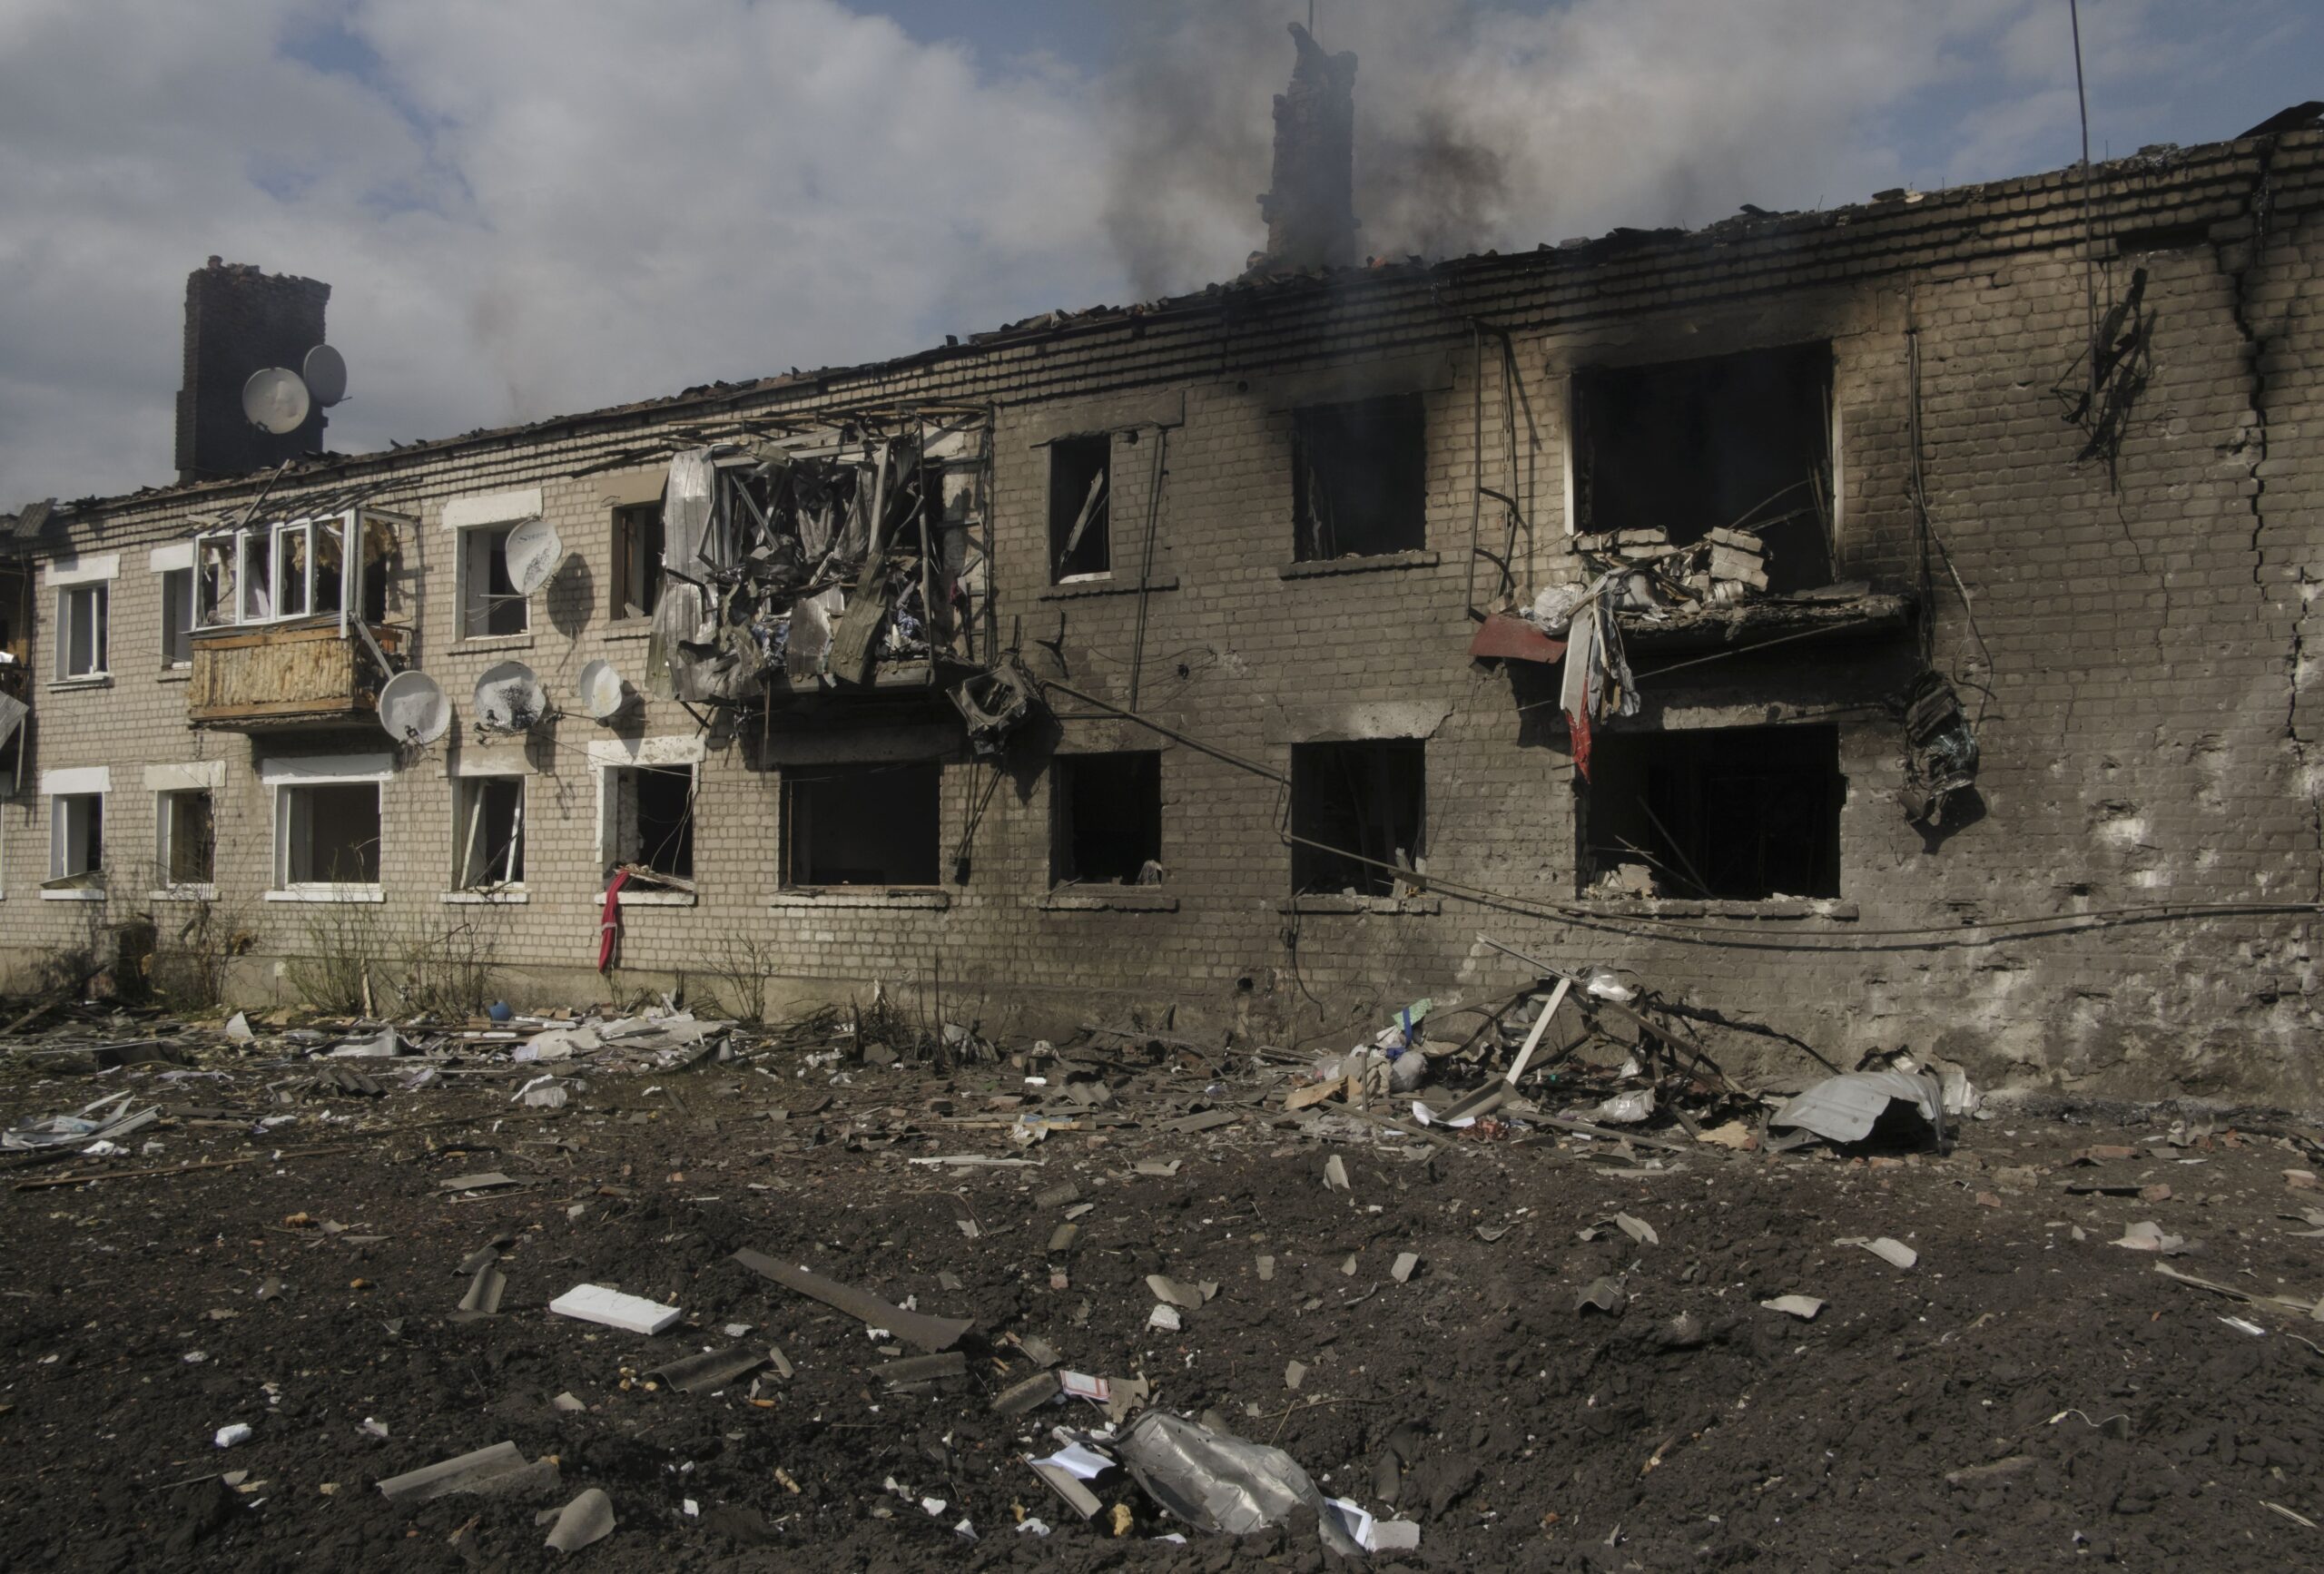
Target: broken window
(290,569)
(257,577)
(1729,813)
(287,569)
(1356,808)
(327,834)
(186,822)
(82,613)
(1108,819)
(862,825)
(213,598)
(1359,478)
(490,603)
(77,839)
(1081,507)
(177,616)
(637,559)
(649,819)
(1737,442)
(488,820)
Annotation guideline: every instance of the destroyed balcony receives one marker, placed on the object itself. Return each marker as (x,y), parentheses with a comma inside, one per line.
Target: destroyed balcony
(304,673)
(289,625)
(1836,611)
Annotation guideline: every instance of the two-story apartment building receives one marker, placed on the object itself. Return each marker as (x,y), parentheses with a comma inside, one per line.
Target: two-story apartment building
(1264,553)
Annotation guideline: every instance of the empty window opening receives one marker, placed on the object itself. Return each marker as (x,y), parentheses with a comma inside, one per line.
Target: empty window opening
(82,613)
(177,617)
(862,825)
(650,809)
(489,605)
(76,840)
(637,559)
(1081,507)
(188,825)
(1109,819)
(1358,479)
(1740,442)
(488,818)
(1354,807)
(327,834)
(1729,813)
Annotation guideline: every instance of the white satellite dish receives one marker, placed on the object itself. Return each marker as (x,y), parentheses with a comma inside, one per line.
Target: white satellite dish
(413,709)
(509,699)
(275,401)
(533,550)
(324,371)
(604,694)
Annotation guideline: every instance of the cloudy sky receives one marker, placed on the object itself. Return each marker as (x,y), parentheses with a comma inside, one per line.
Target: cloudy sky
(527,207)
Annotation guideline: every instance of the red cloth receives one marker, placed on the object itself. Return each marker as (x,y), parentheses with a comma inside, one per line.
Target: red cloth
(609,928)
(1578,723)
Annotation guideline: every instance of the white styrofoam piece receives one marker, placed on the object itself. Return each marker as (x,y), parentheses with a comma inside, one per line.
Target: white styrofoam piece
(595,1303)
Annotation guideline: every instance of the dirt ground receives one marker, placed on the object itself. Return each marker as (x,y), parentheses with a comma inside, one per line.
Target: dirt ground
(2027,1395)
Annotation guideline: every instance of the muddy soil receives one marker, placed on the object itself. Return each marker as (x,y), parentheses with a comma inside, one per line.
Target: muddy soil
(2027,1395)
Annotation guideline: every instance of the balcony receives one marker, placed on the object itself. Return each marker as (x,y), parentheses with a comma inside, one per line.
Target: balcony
(302,673)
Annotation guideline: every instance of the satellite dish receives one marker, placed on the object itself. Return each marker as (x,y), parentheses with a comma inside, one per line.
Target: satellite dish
(604,694)
(275,401)
(508,698)
(413,710)
(534,552)
(325,373)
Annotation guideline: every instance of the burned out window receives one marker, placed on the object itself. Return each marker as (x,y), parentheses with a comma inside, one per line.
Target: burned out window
(1359,478)
(1107,812)
(185,824)
(490,604)
(327,834)
(649,819)
(1728,813)
(1735,442)
(1081,507)
(862,825)
(488,828)
(1354,807)
(637,559)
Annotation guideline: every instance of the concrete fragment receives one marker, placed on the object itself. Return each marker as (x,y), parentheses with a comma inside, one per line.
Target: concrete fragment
(587,1518)
(632,1314)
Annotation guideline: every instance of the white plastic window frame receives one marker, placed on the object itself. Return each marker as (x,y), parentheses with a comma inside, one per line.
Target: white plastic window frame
(268,543)
(472,563)
(467,792)
(60,812)
(165,886)
(646,754)
(284,777)
(97,594)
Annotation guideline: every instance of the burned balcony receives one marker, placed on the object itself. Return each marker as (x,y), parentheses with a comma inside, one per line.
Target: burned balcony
(290,626)
(848,555)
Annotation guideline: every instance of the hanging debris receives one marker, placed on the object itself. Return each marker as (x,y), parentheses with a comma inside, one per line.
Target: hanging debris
(1941,763)
(850,554)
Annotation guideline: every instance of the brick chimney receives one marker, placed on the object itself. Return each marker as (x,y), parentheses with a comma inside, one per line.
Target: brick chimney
(1311,210)
(239,320)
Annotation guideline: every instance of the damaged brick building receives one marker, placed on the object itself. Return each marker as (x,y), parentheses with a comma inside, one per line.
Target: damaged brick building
(1886,624)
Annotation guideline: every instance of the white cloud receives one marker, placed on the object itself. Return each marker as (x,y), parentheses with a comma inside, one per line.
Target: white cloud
(532,207)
